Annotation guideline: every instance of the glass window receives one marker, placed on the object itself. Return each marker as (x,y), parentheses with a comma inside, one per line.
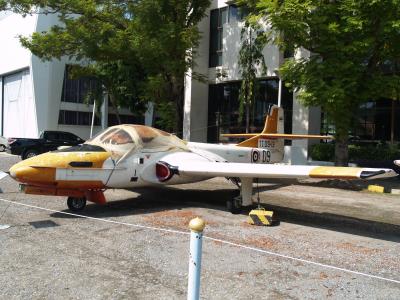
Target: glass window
(237,14)
(66,136)
(223,108)
(51,136)
(218,17)
(371,122)
(75,90)
(233,13)
(69,117)
(117,137)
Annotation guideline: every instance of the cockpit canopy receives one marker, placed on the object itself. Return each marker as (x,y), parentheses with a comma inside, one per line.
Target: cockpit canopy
(121,139)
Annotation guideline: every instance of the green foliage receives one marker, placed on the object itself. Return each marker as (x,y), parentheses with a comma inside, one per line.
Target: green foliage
(124,82)
(380,152)
(350,42)
(251,59)
(323,152)
(166,114)
(125,43)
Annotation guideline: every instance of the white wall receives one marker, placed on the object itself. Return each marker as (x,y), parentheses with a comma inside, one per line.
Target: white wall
(230,54)
(1,106)
(196,93)
(19,107)
(12,55)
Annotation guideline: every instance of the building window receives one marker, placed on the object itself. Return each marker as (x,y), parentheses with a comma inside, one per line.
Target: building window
(75,90)
(223,108)
(218,17)
(371,122)
(125,119)
(70,117)
(237,14)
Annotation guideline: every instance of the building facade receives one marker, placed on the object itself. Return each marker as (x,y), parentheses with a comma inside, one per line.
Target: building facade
(37,95)
(212,107)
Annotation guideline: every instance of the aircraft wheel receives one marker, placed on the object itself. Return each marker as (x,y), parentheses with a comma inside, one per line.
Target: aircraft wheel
(76,204)
(234,205)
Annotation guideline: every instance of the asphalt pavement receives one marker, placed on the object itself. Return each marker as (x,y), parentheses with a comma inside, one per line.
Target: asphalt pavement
(120,250)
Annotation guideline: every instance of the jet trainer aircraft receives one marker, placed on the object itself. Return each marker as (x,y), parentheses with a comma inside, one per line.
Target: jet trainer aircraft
(131,156)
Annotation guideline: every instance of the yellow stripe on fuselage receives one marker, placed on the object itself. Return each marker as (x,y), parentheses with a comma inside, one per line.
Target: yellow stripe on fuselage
(42,168)
(335,172)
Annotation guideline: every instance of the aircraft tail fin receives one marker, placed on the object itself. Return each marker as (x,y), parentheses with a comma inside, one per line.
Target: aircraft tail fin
(273,125)
(274,120)
(273,130)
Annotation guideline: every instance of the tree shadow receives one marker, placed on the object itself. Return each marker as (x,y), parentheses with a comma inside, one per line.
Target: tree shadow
(153,200)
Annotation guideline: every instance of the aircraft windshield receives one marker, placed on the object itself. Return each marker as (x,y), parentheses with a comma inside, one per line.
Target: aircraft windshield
(123,138)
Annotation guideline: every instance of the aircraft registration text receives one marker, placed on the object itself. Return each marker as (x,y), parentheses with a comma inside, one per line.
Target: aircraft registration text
(263,143)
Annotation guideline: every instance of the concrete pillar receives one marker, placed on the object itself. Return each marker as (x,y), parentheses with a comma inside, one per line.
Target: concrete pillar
(104,112)
(195,115)
(148,116)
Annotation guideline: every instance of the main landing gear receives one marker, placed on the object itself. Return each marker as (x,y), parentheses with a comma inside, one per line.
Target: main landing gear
(76,204)
(235,205)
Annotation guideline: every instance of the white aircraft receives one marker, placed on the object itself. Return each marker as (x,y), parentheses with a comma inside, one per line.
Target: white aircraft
(131,156)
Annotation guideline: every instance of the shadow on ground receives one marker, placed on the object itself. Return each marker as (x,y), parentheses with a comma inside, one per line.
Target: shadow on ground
(155,200)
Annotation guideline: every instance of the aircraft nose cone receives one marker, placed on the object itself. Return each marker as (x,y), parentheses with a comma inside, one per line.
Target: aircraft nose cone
(12,174)
(26,174)
(19,172)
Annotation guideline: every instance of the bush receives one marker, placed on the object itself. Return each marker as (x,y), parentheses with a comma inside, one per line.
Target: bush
(379,152)
(323,152)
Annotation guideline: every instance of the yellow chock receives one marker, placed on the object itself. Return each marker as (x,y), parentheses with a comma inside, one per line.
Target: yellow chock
(260,217)
(376,188)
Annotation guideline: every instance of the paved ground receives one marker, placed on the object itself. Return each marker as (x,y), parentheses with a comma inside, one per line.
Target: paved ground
(80,258)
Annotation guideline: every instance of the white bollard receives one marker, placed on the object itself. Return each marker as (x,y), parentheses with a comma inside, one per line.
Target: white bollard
(196,239)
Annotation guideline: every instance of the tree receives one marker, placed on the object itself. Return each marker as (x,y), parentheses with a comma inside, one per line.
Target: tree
(153,36)
(350,42)
(250,59)
(123,84)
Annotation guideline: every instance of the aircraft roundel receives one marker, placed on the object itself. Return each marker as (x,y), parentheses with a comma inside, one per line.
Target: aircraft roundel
(255,155)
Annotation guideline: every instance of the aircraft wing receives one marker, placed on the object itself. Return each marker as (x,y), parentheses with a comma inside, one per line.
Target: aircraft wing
(221,169)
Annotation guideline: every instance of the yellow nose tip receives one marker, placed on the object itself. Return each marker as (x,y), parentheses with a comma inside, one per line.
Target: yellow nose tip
(28,174)
(12,174)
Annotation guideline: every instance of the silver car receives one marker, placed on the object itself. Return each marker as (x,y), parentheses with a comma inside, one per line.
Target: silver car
(3,143)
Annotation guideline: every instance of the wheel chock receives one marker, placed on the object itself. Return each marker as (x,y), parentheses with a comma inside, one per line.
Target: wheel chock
(376,188)
(260,217)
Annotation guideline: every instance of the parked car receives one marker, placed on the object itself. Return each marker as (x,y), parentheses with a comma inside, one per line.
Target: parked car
(3,143)
(48,141)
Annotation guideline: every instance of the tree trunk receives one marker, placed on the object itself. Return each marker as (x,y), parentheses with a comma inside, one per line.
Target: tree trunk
(392,123)
(114,105)
(247,117)
(341,150)
(178,96)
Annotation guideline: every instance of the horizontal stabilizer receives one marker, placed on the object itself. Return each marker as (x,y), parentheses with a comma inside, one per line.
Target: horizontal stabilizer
(279,136)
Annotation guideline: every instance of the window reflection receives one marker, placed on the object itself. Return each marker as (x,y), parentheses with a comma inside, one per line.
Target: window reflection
(223,108)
